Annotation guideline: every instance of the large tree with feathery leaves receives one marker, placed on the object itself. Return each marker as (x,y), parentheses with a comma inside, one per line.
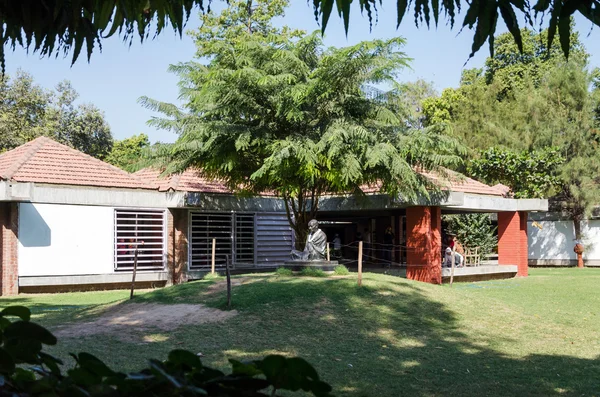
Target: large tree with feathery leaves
(281,113)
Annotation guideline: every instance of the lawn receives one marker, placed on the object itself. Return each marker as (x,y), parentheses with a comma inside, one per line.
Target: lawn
(531,336)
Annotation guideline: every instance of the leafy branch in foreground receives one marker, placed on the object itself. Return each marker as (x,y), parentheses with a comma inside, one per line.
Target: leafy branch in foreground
(482,15)
(52,26)
(181,374)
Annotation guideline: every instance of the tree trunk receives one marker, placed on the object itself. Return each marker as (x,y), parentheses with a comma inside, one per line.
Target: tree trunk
(301,231)
(299,212)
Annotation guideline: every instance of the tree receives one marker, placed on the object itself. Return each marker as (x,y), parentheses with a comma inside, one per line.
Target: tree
(540,112)
(290,117)
(473,230)
(413,95)
(23,106)
(28,111)
(53,26)
(529,174)
(126,154)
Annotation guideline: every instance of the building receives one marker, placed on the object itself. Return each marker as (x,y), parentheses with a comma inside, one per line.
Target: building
(69,220)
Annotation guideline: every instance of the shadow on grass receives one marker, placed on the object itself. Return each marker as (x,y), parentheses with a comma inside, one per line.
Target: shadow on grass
(389,337)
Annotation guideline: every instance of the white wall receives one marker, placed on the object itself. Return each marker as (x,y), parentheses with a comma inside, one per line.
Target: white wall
(65,239)
(556,240)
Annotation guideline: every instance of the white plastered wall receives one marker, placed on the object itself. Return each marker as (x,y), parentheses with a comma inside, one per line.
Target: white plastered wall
(556,239)
(56,240)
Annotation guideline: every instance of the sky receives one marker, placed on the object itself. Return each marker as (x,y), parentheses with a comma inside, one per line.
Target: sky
(115,78)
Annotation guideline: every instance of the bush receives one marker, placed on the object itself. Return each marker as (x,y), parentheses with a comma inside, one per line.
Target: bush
(341,270)
(284,272)
(473,230)
(181,374)
(312,272)
(212,276)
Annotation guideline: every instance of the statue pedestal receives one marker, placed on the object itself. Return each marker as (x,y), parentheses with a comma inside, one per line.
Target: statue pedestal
(326,266)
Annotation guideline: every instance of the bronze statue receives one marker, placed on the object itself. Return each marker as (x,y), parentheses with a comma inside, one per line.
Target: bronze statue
(316,243)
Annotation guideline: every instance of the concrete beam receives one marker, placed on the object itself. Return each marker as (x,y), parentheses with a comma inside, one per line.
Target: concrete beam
(479,203)
(479,270)
(36,281)
(89,195)
(227,202)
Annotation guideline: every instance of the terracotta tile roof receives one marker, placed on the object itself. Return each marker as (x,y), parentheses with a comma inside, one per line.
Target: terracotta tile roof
(188,181)
(459,183)
(46,161)
(192,181)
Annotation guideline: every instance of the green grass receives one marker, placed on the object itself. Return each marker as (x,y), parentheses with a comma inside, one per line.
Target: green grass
(341,270)
(312,272)
(212,276)
(284,272)
(535,336)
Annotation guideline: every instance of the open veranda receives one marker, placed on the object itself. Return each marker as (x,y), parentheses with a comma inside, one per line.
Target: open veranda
(525,336)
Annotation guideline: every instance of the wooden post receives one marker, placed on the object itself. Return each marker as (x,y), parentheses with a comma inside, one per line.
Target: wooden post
(228,281)
(360,251)
(328,257)
(135,256)
(452,270)
(212,262)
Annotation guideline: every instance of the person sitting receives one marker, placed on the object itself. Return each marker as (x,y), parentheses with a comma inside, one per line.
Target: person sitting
(458,258)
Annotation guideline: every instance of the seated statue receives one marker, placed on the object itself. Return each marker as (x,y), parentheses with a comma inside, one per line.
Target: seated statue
(316,243)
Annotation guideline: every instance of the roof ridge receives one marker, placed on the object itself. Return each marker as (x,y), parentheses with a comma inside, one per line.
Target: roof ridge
(35,145)
(175,179)
(104,163)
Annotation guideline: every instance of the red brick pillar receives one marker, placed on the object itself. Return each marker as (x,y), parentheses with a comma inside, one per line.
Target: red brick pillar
(512,240)
(177,224)
(424,244)
(9,265)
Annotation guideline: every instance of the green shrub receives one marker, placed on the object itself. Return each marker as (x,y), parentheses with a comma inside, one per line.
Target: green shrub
(212,276)
(181,374)
(312,272)
(284,272)
(473,230)
(341,270)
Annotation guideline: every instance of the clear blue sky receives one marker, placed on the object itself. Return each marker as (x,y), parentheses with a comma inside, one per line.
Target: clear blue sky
(119,75)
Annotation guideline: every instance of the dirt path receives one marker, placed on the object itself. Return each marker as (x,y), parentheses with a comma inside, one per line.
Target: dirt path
(126,320)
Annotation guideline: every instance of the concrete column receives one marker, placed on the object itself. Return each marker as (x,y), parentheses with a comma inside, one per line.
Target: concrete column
(512,240)
(424,244)
(9,261)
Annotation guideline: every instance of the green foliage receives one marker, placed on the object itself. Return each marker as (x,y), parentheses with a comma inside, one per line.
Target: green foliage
(284,272)
(289,116)
(473,230)
(52,26)
(126,154)
(341,270)
(538,112)
(528,174)
(514,69)
(312,272)
(181,374)
(241,17)
(212,276)
(28,111)
(480,15)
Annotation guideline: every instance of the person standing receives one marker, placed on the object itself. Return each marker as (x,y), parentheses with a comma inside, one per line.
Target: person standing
(388,244)
(337,246)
